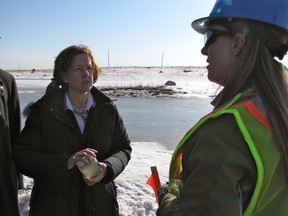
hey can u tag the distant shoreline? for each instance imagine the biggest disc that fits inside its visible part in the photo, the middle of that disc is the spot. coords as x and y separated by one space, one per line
114 67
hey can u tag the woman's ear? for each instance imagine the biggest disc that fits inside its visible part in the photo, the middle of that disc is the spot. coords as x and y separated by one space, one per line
239 42
64 76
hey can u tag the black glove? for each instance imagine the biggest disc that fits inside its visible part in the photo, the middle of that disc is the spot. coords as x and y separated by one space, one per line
163 190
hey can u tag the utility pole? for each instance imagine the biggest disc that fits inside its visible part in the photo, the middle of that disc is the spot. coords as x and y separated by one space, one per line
162 58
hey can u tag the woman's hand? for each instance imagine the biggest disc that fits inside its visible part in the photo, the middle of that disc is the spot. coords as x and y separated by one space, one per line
98 178
84 155
163 190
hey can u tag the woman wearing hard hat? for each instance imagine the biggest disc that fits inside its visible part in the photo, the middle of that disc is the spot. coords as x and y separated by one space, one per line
234 161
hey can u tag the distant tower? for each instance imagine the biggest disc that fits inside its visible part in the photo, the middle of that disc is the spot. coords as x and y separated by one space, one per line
108 59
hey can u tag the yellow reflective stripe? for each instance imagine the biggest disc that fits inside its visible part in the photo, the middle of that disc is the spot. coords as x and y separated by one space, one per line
200 122
256 156
249 141
187 135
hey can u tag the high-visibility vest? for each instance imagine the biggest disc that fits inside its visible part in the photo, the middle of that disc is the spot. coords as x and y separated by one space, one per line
270 196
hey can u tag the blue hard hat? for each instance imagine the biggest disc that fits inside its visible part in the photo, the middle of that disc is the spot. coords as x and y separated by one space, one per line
273 12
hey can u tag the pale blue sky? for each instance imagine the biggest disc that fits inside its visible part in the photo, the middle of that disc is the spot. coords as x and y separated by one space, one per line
135 32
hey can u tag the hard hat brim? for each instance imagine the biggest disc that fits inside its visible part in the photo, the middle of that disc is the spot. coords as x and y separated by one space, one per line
201 25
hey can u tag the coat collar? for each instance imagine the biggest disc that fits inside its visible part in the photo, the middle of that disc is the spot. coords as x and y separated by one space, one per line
55 99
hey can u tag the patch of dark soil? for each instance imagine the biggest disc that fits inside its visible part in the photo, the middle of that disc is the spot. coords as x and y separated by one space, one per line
139 91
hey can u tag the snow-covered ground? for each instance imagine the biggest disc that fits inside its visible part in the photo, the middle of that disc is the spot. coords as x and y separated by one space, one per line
135 197
190 81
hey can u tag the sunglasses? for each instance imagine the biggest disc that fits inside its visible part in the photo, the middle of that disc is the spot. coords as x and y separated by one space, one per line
211 36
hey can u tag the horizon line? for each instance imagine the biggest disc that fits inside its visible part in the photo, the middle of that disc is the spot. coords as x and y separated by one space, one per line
44 69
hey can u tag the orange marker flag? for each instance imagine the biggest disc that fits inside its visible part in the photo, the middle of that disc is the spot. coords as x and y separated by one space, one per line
154 181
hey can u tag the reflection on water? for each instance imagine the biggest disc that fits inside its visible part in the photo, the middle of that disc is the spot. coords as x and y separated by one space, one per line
147 119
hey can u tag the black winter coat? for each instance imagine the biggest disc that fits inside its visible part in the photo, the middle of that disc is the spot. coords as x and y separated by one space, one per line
9 130
51 135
